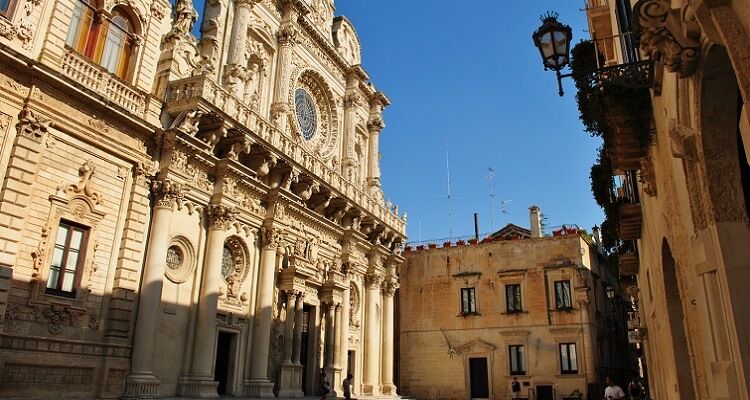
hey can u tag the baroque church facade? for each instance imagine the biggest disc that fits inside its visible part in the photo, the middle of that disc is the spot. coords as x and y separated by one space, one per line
189 216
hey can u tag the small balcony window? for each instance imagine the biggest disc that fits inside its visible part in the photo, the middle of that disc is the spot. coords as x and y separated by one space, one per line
106 40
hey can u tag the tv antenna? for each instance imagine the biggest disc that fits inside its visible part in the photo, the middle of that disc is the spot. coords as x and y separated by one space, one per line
490 174
448 174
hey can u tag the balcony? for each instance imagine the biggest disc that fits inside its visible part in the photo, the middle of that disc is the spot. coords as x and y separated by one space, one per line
99 80
631 216
201 92
628 257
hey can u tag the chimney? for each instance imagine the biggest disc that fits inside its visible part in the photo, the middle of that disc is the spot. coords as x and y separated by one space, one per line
535 215
598 239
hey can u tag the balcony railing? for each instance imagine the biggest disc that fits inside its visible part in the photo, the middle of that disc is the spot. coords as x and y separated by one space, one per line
202 88
629 262
101 81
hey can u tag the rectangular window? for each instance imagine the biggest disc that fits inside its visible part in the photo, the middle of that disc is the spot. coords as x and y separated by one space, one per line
468 301
6 7
562 294
67 260
568 358
513 298
517 363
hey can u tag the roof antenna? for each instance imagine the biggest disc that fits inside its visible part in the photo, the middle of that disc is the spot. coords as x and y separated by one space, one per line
490 174
448 171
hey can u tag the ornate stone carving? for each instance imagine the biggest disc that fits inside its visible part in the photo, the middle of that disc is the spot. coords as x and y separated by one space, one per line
234 267
86 171
272 238
56 314
389 288
32 126
184 18
373 281
287 35
38 254
187 122
667 35
166 192
375 124
220 216
181 261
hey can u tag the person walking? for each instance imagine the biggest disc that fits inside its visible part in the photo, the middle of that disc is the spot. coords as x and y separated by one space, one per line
348 387
515 387
613 392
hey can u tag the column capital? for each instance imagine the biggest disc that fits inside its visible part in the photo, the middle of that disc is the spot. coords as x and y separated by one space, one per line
165 192
287 35
220 217
373 281
352 100
375 124
389 288
271 238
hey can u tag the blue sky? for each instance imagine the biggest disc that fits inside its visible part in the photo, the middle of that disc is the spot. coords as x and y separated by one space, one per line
468 72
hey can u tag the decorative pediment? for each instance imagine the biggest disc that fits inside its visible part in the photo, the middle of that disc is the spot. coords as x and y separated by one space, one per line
476 346
670 36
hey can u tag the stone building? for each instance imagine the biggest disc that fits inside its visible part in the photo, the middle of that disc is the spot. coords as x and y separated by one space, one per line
191 216
474 316
686 192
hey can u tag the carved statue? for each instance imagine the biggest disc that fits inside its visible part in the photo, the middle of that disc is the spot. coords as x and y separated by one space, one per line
187 122
184 18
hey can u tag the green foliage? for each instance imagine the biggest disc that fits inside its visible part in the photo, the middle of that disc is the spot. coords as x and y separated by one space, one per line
602 179
595 95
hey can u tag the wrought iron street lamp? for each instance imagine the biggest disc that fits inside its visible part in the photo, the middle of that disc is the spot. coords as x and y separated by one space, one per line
553 41
610 292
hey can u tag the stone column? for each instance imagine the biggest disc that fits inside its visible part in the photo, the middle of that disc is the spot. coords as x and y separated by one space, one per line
374 126
141 382
235 72
297 343
330 342
370 384
290 374
351 161
201 381
344 332
389 289
291 302
259 385
287 36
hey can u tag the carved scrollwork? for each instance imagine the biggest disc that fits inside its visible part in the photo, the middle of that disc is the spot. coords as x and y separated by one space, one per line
375 124
166 192
187 122
86 171
668 36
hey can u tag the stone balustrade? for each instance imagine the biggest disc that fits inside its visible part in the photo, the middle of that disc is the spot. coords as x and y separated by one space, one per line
188 90
101 81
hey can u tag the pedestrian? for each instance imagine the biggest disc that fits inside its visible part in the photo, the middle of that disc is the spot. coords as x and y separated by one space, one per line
515 387
348 387
324 389
613 392
635 390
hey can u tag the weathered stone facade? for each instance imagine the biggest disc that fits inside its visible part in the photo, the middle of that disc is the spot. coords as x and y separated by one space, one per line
535 299
190 216
693 262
